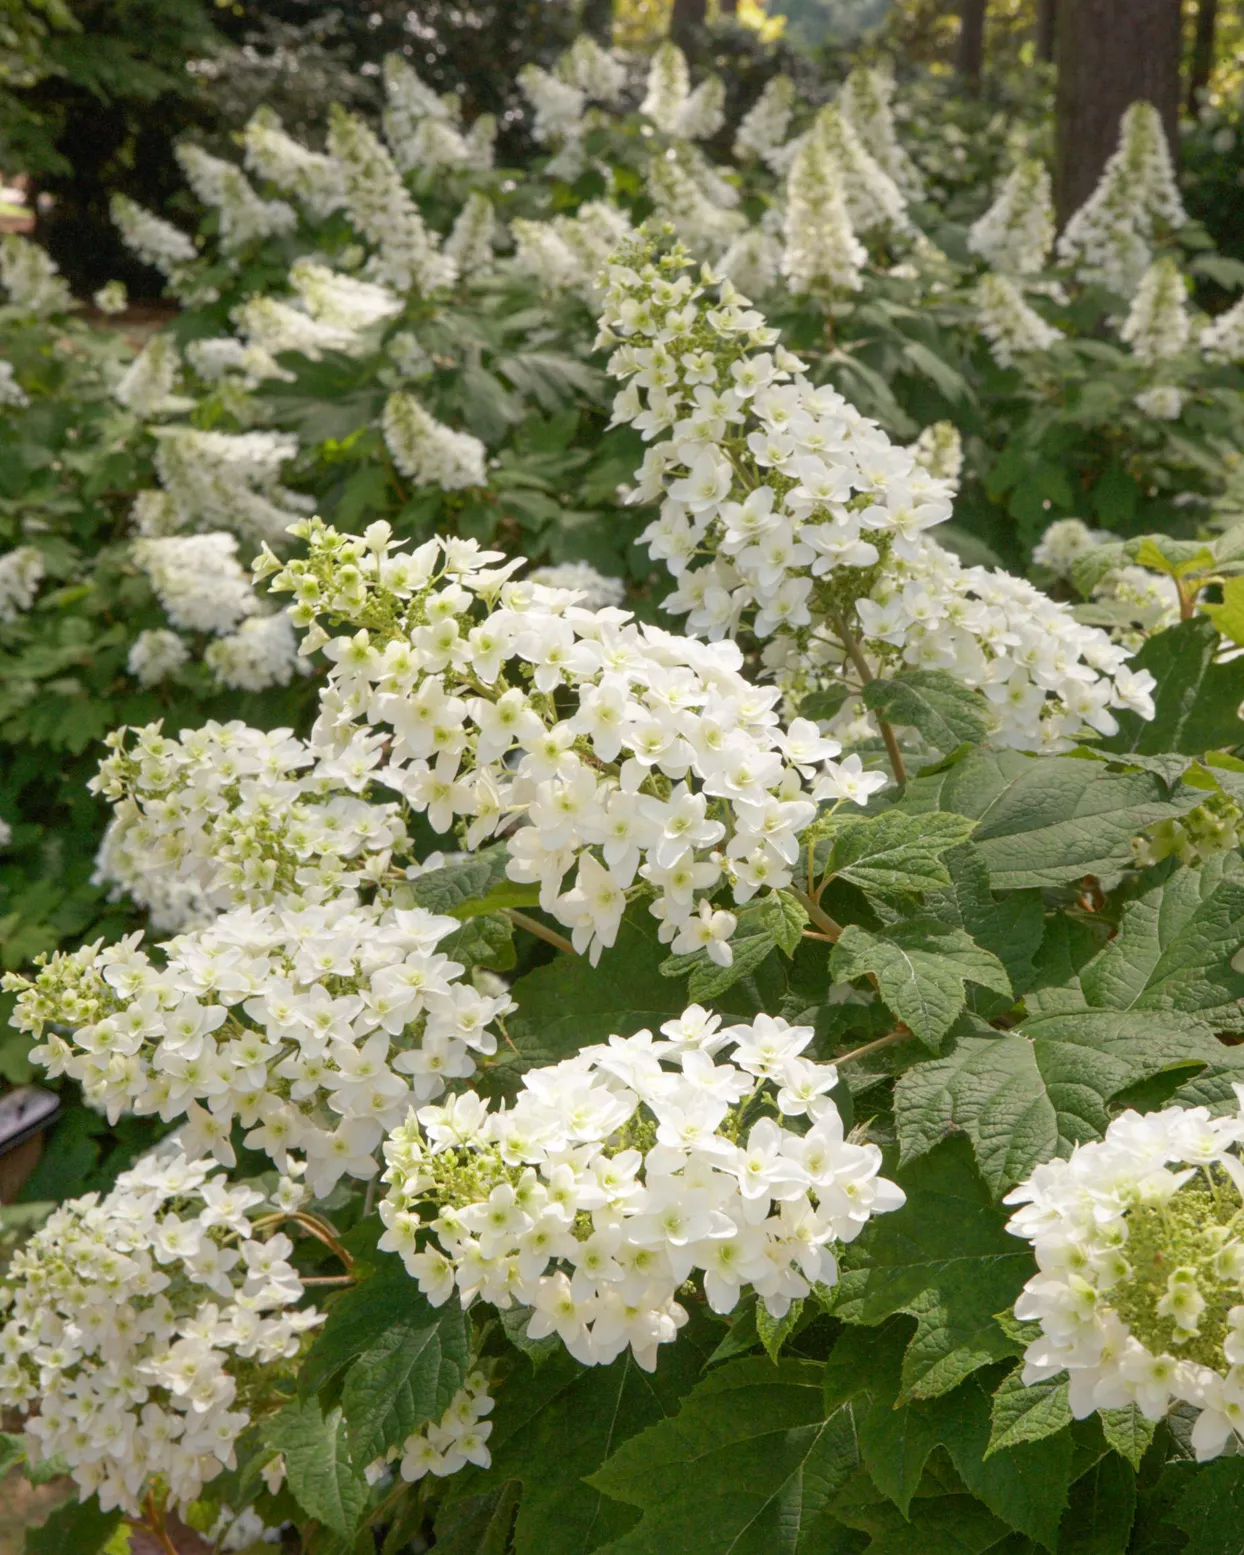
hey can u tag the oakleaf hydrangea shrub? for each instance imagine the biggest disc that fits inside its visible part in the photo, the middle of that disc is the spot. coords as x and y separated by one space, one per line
607 1061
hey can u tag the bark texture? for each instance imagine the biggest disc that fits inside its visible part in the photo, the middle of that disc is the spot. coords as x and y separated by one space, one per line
1047 14
1110 53
970 56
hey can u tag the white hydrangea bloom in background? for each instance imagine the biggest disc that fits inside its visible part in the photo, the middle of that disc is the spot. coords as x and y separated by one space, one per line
1109 239
156 242
198 580
1164 402
874 201
821 250
263 652
867 95
226 480
569 253
1140 1290
11 392
1015 234
668 87
1064 543
428 452
31 278
112 297
1157 325
130 1318
766 123
147 385
244 217
1012 326
939 450
1223 339
753 261
312 178
595 590
155 655
598 74
470 242
703 112
21 572
558 105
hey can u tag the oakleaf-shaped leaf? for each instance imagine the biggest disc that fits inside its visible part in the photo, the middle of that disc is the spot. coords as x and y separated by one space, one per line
945 711
318 1468
1027 1414
894 854
1196 701
921 966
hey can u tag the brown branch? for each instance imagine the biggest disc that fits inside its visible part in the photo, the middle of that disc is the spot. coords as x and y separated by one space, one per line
900 1035
856 654
541 931
831 928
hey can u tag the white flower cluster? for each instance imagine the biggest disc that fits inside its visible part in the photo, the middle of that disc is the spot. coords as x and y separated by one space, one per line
12 395
155 655
422 128
766 123
31 278
1109 240
687 193
1140 1294
812 518
939 450
156 242
569 253
129 1320
272 154
315 1028
112 297
1157 326
470 242
227 815
244 218
821 250
595 591
147 385
605 735
342 302
263 652
215 358
753 261
1064 543
594 71
1015 234
459 1437
1163 402
875 204
198 580
557 105
428 452
1142 602
1223 340
222 480
21 572
405 254
619 1173
1012 326
865 102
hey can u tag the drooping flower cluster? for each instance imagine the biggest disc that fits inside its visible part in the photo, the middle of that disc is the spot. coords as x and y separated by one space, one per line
1012 326
21 572
766 123
1064 543
244 217
633 755
428 452
623 1172
597 73
459 1437
875 203
420 127
1157 325
155 655
314 1028
470 242
687 192
569 253
156 242
198 580
1139 1239
939 450
1015 234
272 154
1163 402
133 1322
867 95
221 480
405 254
1223 340
31 278
147 386
815 525
1109 240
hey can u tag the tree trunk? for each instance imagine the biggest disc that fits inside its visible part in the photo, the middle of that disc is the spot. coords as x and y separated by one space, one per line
727 7
685 19
1047 12
970 58
1202 52
1110 54
596 18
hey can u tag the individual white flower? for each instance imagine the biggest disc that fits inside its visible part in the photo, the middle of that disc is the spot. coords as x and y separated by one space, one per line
1011 325
1014 235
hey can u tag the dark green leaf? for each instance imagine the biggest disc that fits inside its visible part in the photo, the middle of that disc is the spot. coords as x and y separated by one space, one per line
318 1468
775 1331
1127 1432
895 854
1197 701
945 711
76 1528
1211 1510
1027 1414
